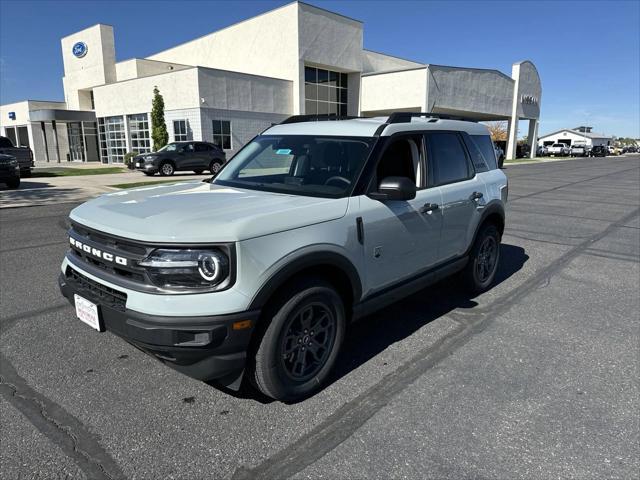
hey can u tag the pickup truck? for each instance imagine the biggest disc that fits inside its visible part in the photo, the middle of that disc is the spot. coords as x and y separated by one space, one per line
23 155
559 149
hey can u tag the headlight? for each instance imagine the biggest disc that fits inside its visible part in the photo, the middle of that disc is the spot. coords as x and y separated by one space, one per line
188 269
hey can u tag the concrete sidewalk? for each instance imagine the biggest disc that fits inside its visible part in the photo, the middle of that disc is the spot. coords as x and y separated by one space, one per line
53 190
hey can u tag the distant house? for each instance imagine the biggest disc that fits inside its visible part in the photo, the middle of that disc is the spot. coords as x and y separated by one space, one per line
579 135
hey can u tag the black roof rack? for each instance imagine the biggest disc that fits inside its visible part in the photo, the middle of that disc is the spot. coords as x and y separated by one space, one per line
316 118
405 117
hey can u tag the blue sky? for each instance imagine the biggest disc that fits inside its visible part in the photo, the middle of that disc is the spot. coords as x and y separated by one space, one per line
587 52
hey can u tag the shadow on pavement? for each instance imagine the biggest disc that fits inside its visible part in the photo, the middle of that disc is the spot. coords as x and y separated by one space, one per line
371 335
9 198
375 333
27 184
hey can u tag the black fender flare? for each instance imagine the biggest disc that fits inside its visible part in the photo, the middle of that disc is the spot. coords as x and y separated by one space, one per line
491 208
309 260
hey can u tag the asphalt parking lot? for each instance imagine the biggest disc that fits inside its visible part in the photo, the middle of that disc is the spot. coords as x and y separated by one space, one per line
537 378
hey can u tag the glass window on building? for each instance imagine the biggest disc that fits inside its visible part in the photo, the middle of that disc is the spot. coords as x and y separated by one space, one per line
139 133
325 92
222 134
180 131
113 142
10 132
23 137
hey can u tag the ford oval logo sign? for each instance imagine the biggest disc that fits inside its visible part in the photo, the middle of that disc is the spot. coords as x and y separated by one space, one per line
80 49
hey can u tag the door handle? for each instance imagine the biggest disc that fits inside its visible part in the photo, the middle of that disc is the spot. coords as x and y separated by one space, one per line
429 207
476 196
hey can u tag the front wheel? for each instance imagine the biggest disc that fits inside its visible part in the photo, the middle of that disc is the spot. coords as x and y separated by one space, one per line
167 169
215 167
13 183
481 268
300 345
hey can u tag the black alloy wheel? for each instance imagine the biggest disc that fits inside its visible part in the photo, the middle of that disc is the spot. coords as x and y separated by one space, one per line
307 342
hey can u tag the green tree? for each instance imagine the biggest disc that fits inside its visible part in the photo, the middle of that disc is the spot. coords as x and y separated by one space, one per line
158 126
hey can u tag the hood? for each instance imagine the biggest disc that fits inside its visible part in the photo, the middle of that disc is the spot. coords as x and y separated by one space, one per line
201 212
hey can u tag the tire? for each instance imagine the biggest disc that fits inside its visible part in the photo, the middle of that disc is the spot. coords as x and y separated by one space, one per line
484 258
215 167
313 304
501 162
167 169
13 183
198 171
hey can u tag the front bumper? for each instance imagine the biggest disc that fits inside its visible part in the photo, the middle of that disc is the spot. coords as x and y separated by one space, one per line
143 166
205 348
9 173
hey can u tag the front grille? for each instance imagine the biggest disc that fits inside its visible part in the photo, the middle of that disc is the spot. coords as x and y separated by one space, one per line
96 291
130 251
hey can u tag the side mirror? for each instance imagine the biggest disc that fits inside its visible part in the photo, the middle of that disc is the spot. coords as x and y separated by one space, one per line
395 188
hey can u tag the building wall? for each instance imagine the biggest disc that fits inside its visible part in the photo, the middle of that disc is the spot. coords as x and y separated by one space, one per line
402 90
244 125
379 62
193 118
21 109
468 90
278 44
139 67
263 45
96 68
236 91
179 90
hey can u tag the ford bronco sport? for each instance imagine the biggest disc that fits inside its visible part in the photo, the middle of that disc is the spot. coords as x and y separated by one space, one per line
252 277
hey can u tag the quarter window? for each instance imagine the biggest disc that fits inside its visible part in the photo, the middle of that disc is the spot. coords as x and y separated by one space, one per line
222 134
448 158
485 145
180 131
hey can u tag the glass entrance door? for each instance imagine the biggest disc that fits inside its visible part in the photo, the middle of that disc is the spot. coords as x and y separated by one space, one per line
76 144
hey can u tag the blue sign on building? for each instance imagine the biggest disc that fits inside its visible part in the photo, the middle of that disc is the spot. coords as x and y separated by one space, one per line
12 115
80 49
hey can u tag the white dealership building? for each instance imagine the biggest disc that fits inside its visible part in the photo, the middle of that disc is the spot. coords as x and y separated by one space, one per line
227 86
575 136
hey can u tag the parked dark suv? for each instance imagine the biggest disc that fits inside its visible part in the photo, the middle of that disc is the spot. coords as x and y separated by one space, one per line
599 151
179 156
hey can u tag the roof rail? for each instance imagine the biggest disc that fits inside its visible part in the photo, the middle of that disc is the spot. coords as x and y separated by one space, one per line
405 117
315 118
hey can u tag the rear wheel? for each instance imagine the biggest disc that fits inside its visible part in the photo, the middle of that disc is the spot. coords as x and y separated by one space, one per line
167 169
300 345
481 269
215 166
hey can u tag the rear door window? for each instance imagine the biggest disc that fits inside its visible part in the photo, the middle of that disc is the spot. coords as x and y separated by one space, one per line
448 158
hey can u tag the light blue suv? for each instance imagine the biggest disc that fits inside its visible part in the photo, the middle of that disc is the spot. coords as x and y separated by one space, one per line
253 276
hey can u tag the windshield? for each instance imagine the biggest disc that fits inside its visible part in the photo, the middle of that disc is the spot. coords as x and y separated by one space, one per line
558 145
298 164
171 147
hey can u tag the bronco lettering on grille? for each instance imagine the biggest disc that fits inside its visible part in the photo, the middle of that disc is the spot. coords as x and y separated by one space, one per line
108 257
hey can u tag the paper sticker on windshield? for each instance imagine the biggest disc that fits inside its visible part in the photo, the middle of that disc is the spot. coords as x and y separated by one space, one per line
283 151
